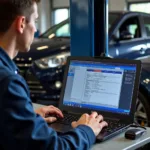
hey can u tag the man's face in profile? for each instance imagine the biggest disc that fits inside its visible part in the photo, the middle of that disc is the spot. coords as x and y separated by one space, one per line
26 38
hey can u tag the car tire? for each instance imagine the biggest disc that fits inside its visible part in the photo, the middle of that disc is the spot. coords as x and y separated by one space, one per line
142 115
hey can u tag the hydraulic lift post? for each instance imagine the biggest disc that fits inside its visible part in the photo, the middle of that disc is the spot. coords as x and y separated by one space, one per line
89 27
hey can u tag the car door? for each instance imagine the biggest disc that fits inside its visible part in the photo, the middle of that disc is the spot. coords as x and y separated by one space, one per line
127 40
146 24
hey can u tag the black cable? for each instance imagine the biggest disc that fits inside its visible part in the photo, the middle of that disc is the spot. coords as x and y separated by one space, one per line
138 126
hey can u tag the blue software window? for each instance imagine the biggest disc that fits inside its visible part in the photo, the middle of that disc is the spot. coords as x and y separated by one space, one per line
100 86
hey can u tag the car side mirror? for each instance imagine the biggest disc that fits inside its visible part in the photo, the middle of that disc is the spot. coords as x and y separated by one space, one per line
115 38
126 35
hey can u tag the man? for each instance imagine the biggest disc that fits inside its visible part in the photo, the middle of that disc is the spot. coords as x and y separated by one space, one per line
20 127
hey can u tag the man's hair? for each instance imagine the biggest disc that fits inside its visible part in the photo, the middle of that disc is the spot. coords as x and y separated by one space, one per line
10 9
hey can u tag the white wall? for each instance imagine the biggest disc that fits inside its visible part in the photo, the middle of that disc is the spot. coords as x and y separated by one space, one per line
60 3
137 0
117 5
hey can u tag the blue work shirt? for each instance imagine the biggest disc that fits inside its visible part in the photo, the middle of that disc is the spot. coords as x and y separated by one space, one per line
20 127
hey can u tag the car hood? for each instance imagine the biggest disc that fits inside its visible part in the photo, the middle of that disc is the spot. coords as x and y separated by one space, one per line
49 46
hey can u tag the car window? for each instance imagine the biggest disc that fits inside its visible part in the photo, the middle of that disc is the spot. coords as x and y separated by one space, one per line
130 29
147 25
60 30
63 29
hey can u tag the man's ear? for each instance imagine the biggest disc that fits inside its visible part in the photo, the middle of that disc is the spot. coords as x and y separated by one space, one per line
20 23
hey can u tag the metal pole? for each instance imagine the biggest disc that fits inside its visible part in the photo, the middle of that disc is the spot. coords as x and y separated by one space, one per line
101 36
89 27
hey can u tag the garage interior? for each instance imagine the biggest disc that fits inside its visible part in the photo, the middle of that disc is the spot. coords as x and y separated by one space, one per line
79 28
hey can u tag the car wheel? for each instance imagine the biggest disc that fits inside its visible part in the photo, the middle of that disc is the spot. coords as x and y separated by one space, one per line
142 115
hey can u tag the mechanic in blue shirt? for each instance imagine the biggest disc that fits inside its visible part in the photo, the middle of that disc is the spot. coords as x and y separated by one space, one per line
22 128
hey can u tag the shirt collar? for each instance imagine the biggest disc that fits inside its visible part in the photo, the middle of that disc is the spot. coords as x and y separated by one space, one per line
7 61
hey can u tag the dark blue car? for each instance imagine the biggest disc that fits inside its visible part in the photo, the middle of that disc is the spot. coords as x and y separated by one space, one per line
43 66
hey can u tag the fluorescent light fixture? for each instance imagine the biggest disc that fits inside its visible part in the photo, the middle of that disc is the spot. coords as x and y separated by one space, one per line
30 58
63 47
51 36
42 47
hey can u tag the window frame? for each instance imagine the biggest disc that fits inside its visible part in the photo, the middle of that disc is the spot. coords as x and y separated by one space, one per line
53 14
136 2
120 24
144 29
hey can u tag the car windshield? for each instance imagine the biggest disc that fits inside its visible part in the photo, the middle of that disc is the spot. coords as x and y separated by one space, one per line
63 29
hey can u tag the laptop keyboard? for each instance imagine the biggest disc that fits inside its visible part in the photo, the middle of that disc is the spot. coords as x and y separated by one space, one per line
113 125
68 119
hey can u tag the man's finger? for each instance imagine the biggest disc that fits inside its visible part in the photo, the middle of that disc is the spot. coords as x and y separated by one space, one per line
99 118
50 119
55 112
74 124
53 107
94 114
103 124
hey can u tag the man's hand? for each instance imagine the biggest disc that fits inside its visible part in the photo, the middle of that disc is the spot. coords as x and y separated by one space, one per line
49 113
94 121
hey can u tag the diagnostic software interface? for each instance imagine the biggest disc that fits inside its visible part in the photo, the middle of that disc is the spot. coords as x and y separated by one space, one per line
100 86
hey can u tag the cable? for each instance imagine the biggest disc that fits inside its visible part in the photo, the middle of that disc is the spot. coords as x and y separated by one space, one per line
137 126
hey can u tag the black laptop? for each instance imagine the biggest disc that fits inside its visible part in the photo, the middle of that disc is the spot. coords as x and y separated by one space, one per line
108 86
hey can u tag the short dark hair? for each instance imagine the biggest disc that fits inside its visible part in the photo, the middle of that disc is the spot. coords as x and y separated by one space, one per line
10 9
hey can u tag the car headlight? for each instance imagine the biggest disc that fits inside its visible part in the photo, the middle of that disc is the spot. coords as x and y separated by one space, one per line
52 61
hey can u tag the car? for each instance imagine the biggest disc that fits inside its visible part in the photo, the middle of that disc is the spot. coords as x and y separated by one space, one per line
43 66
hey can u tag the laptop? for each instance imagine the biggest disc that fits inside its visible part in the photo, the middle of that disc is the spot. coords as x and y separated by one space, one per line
107 86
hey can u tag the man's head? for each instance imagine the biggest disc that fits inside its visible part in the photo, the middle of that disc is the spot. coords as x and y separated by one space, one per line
18 17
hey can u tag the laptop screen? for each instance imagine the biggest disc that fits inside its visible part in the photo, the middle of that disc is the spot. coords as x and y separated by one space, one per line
100 86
